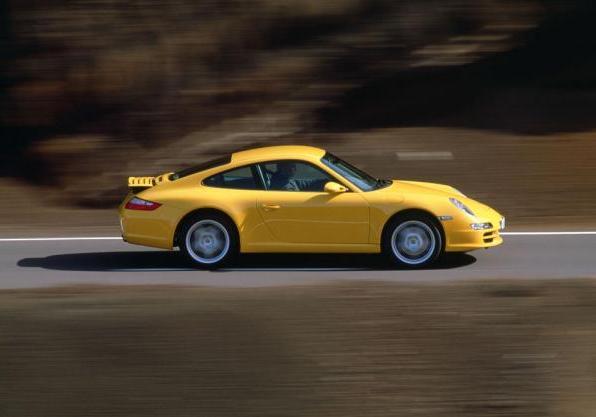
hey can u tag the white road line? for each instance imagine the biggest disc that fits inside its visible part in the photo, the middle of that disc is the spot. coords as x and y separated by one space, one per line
424 156
53 239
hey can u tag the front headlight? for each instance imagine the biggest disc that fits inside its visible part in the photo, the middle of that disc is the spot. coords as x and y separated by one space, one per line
461 206
481 226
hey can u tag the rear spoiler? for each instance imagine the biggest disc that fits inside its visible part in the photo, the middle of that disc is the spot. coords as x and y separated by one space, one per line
136 184
141 182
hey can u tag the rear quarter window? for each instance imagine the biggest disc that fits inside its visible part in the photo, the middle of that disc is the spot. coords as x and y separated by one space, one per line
240 179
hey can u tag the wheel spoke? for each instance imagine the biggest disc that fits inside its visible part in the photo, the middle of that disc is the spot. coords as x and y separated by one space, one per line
413 242
207 241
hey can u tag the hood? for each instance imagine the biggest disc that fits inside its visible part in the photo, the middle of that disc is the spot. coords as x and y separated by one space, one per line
482 211
428 188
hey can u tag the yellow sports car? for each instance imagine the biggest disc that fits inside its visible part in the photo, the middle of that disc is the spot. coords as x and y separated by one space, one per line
301 199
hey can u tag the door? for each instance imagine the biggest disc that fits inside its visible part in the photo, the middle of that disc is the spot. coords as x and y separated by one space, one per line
296 209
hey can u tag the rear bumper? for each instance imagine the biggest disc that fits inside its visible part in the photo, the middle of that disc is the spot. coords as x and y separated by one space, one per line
146 232
148 228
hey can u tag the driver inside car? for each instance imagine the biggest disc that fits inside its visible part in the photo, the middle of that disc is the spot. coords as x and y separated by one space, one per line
284 179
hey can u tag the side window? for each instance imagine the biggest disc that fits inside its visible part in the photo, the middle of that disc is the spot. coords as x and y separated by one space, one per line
294 176
239 178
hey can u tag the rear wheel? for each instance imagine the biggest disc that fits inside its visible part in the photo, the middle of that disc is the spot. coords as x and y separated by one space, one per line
209 241
413 240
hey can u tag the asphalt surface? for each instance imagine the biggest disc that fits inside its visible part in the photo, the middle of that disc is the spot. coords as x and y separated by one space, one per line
26 264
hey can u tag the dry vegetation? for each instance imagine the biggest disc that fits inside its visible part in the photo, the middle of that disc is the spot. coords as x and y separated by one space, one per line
136 76
94 91
472 349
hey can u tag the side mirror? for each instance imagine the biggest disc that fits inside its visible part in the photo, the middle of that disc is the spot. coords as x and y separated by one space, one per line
334 188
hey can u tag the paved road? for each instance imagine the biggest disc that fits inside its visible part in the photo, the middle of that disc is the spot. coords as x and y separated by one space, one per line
48 263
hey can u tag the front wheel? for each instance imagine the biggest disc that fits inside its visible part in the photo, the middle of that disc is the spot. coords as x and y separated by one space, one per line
413 241
209 241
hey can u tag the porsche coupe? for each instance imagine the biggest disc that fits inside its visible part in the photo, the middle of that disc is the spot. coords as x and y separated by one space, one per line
301 199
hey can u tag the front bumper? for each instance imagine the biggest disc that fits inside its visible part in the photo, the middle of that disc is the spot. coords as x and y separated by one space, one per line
462 238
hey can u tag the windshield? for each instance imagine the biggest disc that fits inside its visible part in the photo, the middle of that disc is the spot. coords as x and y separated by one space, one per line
355 175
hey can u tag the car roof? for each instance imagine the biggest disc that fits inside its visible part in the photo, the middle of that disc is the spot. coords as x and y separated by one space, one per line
278 152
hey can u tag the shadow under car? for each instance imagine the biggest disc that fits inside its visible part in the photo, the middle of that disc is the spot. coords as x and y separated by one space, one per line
166 260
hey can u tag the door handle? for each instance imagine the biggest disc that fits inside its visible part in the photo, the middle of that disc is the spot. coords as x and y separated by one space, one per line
268 207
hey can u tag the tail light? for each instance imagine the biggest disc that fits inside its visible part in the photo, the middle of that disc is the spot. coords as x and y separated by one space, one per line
140 204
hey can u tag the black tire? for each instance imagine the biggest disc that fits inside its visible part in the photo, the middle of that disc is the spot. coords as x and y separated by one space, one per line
419 248
216 232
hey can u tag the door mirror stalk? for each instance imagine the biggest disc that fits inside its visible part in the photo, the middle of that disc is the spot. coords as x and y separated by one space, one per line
334 188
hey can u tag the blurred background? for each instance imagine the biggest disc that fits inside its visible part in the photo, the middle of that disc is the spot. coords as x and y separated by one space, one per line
494 97
502 92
